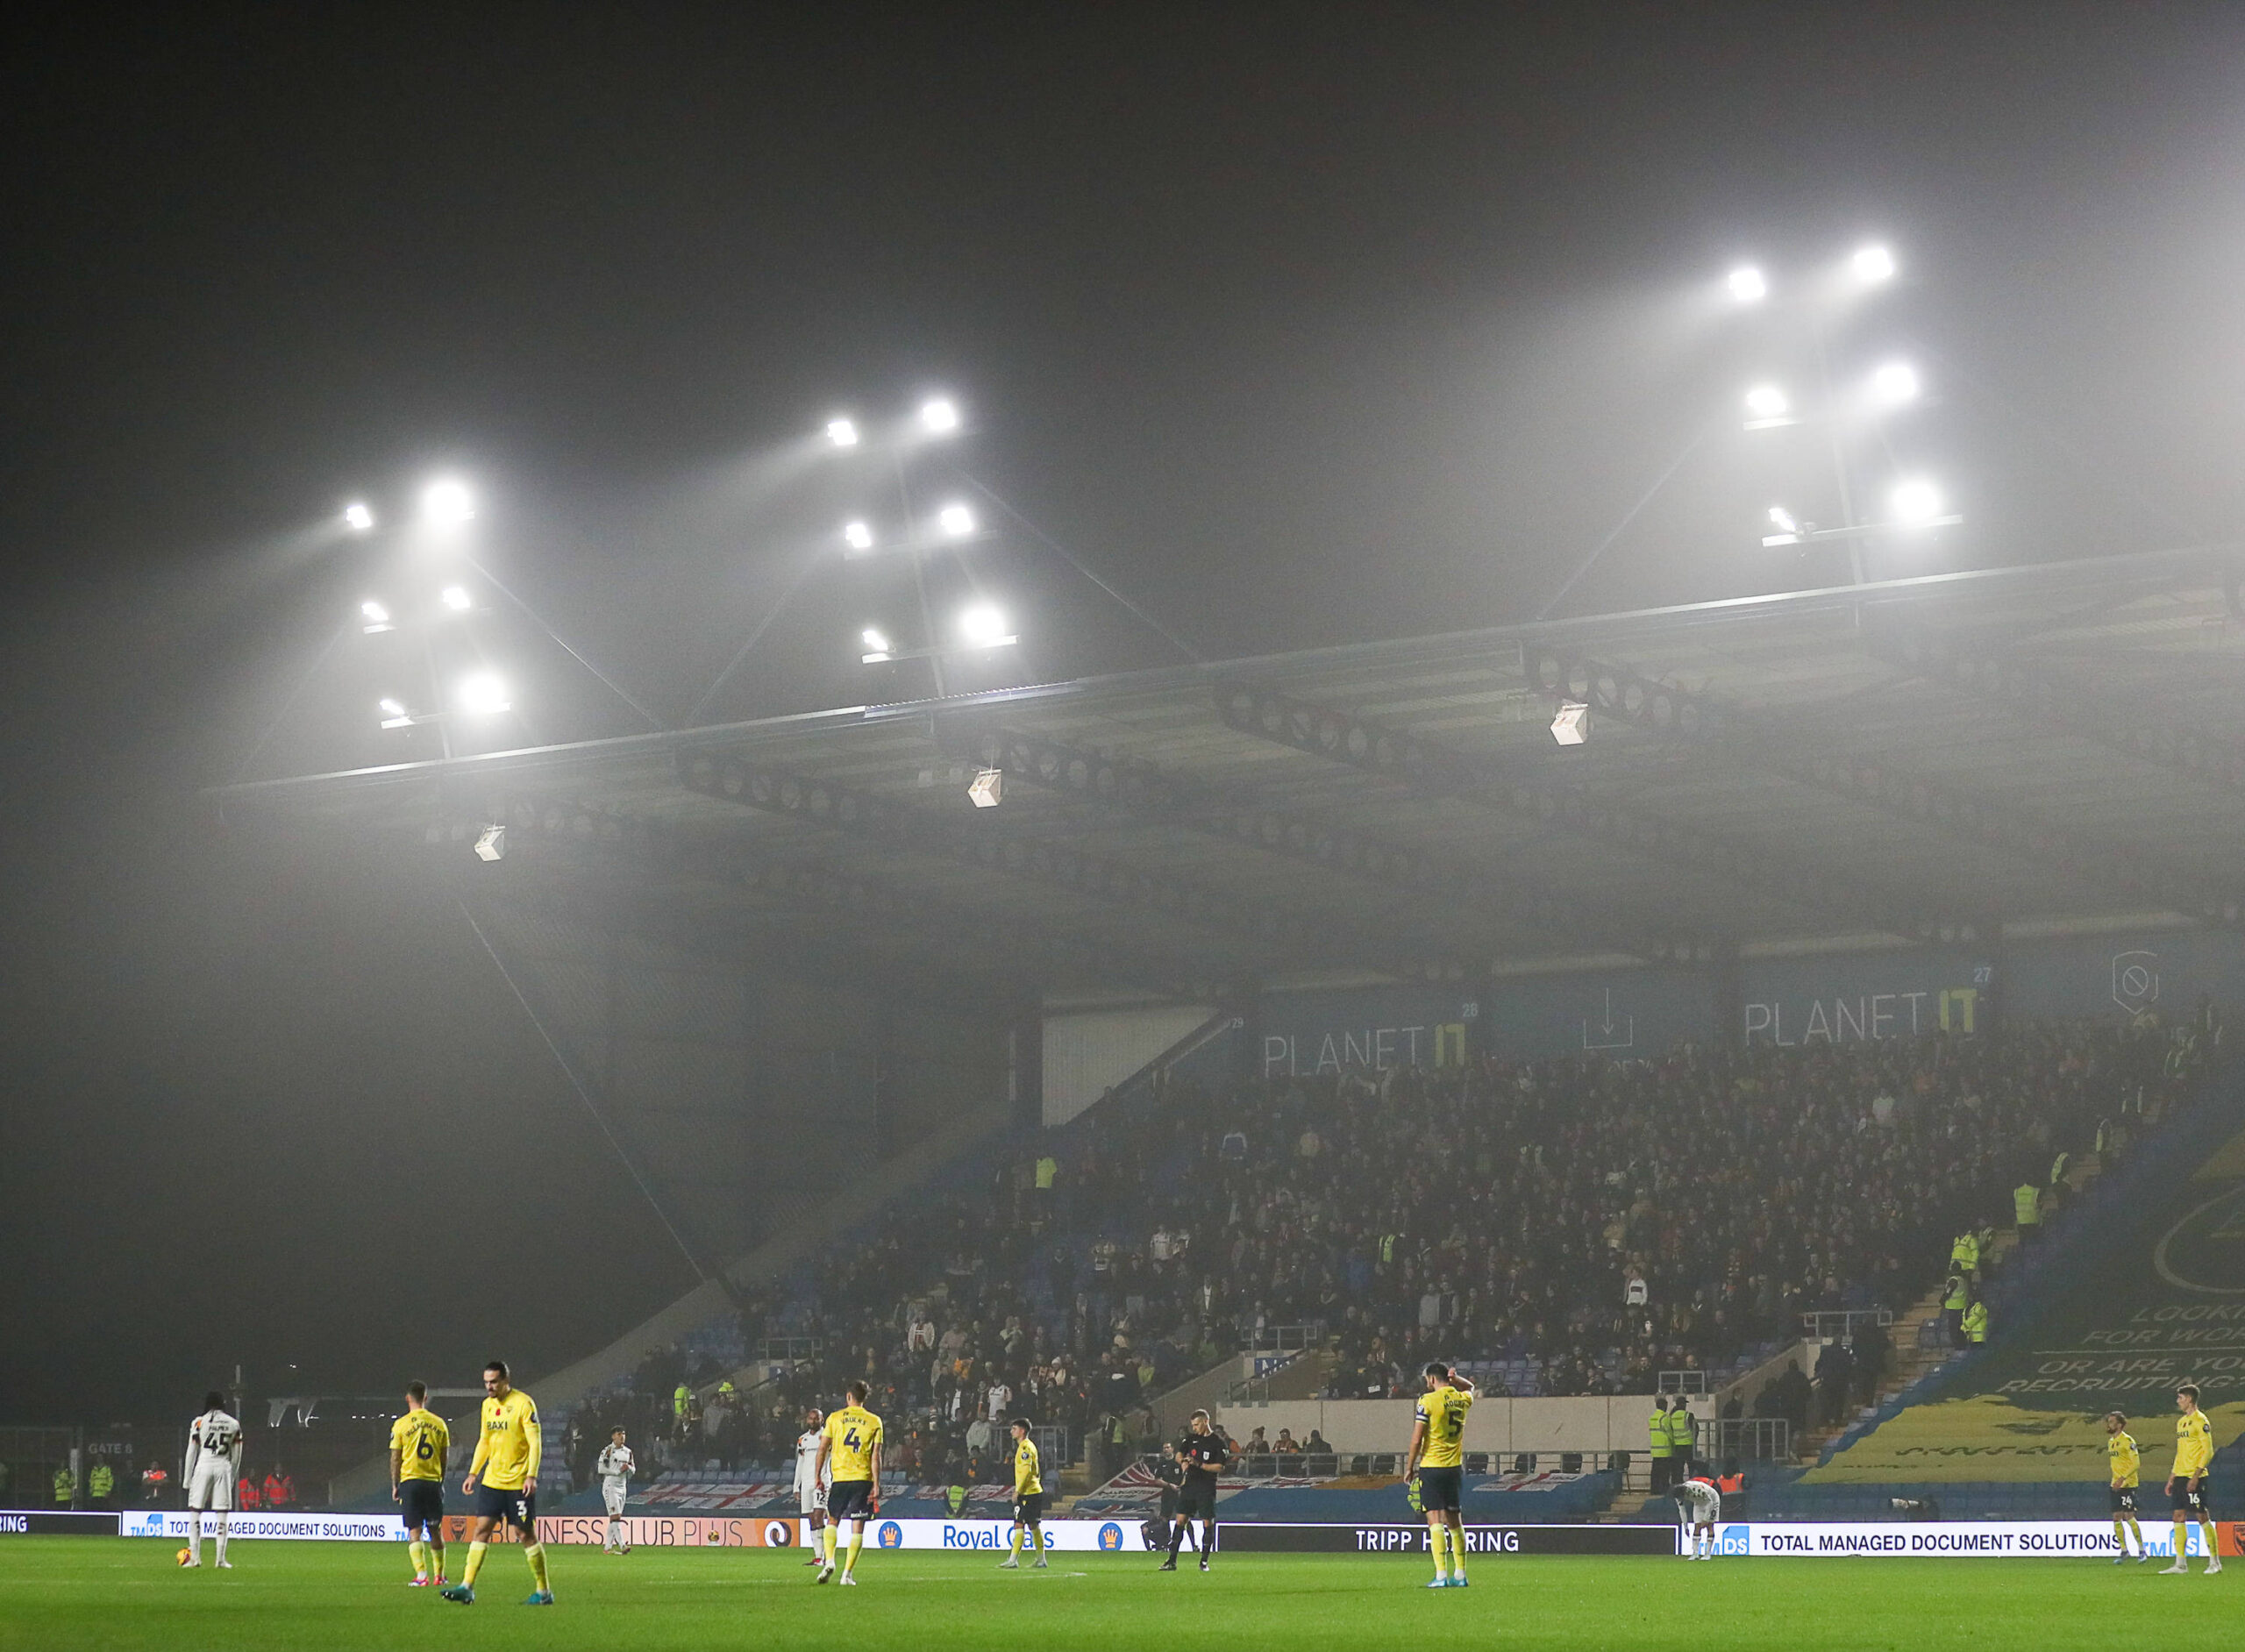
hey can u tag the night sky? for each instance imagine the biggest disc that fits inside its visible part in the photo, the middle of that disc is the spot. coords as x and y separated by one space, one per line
1297 325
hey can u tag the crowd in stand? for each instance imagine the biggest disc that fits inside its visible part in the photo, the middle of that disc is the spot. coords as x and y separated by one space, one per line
1606 1220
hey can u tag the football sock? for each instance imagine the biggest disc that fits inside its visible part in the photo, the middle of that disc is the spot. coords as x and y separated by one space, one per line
1036 1540
1207 1538
195 1539
1456 1552
1176 1539
222 1537
856 1542
2213 1544
1016 1542
419 1550
2181 1543
826 1536
535 1553
436 1560
1441 1549
474 1564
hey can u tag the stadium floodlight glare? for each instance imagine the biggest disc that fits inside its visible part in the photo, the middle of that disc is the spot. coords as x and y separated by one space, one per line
1915 502
1766 402
857 535
956 520
1748 285
1872 264
1788 528
447 501
842 432
377 618
878 647
1571 726
394 714
984 626
492 843
455 598
1895 383
483 694
357 517
939 415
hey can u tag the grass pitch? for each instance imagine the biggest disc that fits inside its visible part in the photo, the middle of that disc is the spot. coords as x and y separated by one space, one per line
86 1592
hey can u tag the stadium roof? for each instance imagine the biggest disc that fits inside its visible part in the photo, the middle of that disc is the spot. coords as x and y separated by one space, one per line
2048 747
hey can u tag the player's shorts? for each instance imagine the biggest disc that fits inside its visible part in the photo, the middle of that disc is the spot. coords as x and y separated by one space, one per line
2124 1500
421 1503
850 1499
1701 1510
1028 1510
1442 1490
814 1501
611 1498
513 1505
1196 1502
212 1488
2183 1500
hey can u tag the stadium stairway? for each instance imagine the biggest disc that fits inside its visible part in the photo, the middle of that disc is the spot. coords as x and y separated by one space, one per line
2127 1295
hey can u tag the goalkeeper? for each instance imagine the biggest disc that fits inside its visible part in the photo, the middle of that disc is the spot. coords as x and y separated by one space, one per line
1435 1468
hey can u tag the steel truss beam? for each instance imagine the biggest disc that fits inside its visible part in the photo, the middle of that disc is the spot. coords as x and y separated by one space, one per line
1924 800
1143 791
2002 678
1559 805
998 948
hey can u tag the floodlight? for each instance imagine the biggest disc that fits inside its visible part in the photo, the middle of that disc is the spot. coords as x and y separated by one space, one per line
875 642
987 789
1873 264
492 844
984 626
447 501
857 535
956 520
375 613
1915 501
842 432
357 517
1748 285
1571 726
1783 518
455 598
1766 402
1895 383
939 415
391 707
483 694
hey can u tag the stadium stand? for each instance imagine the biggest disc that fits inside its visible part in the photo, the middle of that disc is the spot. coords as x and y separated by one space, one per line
1566 1228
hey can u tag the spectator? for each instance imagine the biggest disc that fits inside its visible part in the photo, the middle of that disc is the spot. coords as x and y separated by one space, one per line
154 1480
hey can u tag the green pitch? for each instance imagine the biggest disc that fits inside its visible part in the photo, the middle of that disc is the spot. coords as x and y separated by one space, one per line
88 1593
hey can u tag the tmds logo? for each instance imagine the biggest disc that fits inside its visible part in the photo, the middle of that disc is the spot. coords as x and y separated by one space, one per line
1110 1536
889 1535
1734 1540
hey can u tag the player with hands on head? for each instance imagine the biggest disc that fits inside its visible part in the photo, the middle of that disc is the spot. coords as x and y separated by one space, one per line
1435 1467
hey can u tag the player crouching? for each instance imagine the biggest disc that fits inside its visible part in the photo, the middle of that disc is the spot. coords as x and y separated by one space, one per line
1700 1500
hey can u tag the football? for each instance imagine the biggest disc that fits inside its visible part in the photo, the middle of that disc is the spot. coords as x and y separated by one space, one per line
185 1556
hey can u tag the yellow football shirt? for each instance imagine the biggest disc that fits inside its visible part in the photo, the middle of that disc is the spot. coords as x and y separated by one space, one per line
2121 1457
853 1432
2193 1445
420 1439
512 1443
1025 1481
1444 1412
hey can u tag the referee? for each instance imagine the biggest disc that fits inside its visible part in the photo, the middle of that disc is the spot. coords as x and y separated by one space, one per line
1205 1455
